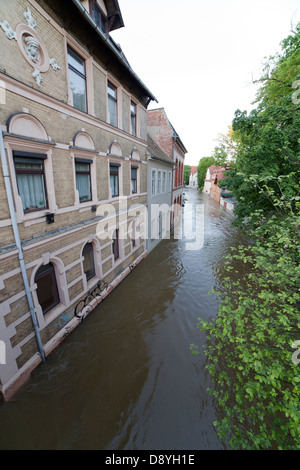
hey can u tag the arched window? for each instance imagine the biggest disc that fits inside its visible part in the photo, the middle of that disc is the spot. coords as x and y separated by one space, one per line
47 291
88 261
115 244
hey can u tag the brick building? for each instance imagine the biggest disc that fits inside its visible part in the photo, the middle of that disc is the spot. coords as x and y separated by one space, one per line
162 131
73 173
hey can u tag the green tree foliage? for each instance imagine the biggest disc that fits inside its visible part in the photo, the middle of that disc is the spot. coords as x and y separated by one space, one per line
202 167
186 174
269 143
254 343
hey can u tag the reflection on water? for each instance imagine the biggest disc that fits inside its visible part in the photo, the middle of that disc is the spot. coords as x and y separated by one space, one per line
125 378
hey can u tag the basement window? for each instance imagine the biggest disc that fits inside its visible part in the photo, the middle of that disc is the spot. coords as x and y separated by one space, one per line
47 291
115 244
88 261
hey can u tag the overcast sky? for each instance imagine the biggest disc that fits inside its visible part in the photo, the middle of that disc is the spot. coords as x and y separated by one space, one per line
198 58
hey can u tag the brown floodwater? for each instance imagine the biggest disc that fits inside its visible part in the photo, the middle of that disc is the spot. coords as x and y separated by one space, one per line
125 379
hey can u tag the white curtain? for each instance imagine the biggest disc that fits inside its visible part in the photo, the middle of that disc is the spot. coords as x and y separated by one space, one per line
31 189
83 181
114 185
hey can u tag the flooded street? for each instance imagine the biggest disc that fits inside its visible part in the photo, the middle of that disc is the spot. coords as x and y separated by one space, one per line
126 378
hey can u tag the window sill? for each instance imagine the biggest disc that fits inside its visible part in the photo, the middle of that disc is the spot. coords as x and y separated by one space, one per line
54 313
36 217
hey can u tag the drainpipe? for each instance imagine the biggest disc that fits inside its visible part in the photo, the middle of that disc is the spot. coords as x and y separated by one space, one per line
18 242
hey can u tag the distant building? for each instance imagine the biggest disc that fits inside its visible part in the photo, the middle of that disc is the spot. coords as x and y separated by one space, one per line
162 131
216 174
193 179
207 181
160 169
211 187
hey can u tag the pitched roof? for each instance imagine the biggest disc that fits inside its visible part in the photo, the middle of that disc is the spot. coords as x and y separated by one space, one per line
175 135
156 152
193 170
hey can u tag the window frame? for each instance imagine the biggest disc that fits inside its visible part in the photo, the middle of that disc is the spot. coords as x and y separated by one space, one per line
32 158
133 116
159 182
134 168
110 99
48 272
70 51
89 173
153 183
90 251
116 244
95 7
133 232
20 143
114 171
164 181
169 181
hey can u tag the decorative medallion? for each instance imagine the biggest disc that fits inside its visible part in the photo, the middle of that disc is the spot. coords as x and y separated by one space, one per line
31 46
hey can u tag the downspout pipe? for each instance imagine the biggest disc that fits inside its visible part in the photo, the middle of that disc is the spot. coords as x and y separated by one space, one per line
18 243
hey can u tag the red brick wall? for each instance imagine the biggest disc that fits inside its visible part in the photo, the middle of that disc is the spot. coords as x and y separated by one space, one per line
159 129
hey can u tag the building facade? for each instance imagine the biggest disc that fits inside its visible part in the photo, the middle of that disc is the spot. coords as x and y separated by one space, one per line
73 173
193 179
162 131
160 170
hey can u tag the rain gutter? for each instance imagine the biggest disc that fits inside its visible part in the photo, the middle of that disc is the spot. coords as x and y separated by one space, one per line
104 38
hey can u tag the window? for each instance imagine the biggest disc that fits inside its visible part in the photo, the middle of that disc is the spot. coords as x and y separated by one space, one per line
114 178
115 244
158 182
153 182
112 104
77 80
164 182
88 261
133 234
83 179
153 229
170 181
47 291
134 179
30 175
99 19
133 118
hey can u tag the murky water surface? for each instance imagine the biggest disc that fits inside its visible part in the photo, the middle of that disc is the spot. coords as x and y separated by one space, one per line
125 378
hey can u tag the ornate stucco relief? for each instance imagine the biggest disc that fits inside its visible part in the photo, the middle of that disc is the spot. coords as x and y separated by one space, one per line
31 46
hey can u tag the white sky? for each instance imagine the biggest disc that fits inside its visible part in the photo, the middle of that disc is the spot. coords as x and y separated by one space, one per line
197 57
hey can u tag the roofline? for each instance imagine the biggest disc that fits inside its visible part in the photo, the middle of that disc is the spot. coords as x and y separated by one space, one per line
175 135
104 38
155 157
